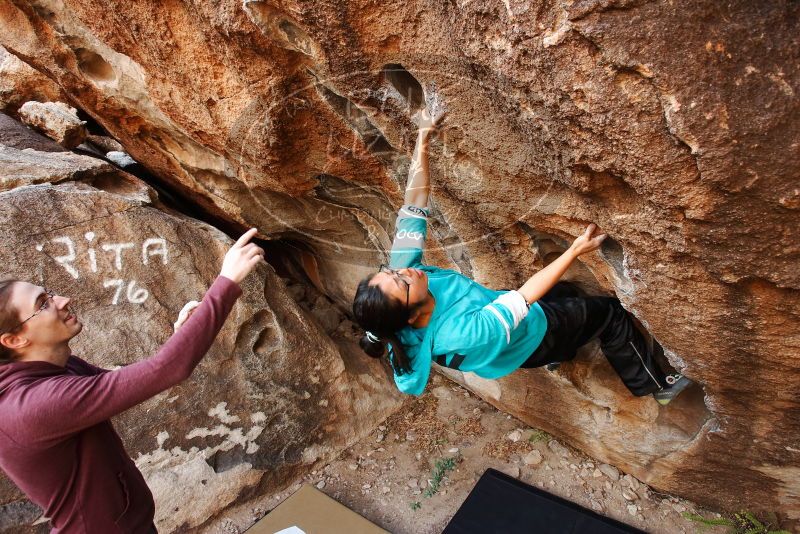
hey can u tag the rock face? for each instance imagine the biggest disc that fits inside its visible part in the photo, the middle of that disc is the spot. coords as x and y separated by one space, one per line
673 125
19 83
275 394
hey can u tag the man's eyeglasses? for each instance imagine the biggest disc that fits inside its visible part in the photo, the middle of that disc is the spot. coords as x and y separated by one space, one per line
45 304
403 278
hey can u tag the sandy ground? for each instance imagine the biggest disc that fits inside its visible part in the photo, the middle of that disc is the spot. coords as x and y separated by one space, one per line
385 476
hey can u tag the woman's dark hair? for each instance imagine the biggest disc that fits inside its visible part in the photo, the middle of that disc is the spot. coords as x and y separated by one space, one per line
382 316
9 317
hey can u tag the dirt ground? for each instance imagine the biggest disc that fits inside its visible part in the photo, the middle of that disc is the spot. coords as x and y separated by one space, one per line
387 476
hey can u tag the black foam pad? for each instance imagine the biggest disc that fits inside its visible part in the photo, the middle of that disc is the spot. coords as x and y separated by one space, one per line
501 504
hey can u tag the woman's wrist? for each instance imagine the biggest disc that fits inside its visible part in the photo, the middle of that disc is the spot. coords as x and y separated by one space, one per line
424 135
572 252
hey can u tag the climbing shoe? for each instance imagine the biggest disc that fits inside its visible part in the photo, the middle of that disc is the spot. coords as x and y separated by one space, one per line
675 384
552 366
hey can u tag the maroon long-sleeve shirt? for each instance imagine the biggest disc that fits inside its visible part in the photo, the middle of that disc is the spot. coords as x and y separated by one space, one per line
58 445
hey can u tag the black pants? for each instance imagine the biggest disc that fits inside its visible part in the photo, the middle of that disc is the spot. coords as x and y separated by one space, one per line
573 321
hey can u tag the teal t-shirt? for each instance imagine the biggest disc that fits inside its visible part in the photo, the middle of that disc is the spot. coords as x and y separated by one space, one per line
468 331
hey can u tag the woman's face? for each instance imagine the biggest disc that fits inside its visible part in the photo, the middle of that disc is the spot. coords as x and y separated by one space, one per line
405 285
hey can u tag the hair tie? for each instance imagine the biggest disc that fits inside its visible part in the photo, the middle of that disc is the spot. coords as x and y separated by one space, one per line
372 337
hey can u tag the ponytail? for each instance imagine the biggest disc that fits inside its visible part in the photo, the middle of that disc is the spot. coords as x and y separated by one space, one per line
382 317
372 345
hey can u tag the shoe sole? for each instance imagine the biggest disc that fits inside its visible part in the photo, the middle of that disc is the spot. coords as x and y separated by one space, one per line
664 402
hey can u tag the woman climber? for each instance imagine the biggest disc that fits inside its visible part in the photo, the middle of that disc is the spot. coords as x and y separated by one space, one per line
427 313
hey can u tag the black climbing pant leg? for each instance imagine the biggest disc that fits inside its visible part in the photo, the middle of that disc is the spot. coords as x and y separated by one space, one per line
574 321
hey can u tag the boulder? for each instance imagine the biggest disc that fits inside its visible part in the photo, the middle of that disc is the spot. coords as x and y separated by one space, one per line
673 125
56 120
242 423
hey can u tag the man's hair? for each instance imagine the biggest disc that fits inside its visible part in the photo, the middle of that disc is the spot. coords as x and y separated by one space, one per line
9 317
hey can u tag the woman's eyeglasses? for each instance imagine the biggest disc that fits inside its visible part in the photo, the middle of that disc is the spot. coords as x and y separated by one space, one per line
397 274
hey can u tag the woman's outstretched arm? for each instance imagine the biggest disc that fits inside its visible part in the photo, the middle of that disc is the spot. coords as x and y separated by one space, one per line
540 283
419 177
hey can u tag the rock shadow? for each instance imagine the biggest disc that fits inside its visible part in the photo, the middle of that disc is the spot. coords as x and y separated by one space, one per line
372 137
406 84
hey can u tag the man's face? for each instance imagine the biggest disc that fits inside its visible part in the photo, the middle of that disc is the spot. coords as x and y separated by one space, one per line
54 322
403 283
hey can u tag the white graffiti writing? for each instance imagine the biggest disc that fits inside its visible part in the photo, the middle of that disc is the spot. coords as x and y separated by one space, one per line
135 296
67 259
64 252
117 248
92 254
160 251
